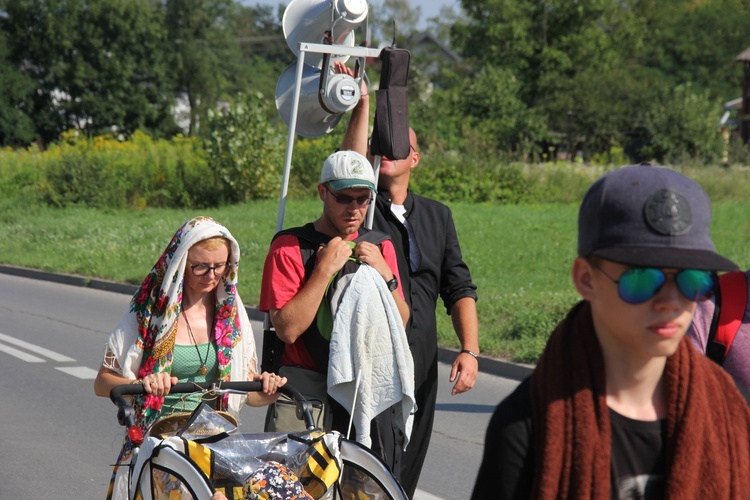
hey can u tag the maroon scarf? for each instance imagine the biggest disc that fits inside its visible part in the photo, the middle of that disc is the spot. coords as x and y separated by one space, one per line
708 422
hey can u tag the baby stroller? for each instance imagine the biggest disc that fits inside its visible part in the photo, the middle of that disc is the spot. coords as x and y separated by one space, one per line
207 453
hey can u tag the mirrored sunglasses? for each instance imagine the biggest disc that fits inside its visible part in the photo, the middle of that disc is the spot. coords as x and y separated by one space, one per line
639 284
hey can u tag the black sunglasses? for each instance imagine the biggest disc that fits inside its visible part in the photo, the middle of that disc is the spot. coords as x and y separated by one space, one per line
362 201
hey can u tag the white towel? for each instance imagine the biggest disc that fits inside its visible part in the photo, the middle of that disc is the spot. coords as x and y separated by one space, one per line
368 338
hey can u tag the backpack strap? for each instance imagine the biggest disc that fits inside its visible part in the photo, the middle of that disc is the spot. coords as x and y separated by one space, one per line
307 233
371 236
731 302
309 241
317 345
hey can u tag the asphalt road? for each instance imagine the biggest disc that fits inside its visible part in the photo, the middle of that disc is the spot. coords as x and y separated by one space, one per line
57 439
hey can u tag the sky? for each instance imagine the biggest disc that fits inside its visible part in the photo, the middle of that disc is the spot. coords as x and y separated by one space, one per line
429 8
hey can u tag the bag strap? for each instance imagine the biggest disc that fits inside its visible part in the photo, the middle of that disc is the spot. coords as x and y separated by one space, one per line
731 302
390 134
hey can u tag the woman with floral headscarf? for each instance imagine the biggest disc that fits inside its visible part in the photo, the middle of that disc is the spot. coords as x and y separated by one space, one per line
186 323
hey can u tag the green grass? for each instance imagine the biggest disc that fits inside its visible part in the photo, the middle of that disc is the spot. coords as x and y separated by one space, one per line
516 221
519 256
123 245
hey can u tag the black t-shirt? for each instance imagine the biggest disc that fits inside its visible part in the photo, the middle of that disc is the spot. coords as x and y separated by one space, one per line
507 469
638 460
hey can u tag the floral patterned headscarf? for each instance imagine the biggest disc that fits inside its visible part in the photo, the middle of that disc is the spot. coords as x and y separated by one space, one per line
158 302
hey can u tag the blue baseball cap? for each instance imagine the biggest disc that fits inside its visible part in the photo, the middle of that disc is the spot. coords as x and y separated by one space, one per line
648 216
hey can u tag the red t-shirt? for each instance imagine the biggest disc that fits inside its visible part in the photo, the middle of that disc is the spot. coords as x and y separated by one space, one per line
284 277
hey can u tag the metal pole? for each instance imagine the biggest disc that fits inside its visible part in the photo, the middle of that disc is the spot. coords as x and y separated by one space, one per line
318 49
371 208
290 139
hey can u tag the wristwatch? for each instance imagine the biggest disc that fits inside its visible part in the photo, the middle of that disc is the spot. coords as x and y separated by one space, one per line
393 284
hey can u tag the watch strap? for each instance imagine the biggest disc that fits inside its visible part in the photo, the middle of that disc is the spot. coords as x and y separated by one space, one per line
392 284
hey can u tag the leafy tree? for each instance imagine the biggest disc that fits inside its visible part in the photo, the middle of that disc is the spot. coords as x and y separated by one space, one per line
683 123
591 70
97 65
695 42
264 53
383 16
16 126
484 114
441 25
204 53
500 33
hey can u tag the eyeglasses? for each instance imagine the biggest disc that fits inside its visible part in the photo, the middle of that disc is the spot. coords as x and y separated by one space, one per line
639 284
203 269
362 201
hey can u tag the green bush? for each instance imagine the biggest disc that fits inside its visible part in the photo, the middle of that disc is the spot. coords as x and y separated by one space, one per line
307 160
109 172
453 177
738 153
448 178
559 182
245 149
20 177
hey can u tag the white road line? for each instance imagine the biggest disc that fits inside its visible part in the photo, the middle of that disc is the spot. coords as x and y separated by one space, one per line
35 349
81 372
423 495
24 356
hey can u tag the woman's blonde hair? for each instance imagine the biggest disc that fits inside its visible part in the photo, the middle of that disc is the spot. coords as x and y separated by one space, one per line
215 242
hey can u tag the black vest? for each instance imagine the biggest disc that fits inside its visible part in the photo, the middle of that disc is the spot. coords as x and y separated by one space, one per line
317 345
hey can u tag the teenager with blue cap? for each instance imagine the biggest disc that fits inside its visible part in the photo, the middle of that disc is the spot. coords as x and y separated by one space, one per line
620 405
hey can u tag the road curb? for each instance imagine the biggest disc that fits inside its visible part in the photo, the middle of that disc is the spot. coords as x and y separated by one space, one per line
486 365
492 366
70 279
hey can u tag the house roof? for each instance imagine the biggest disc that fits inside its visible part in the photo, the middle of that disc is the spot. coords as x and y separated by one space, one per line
745 55
733 104
427 38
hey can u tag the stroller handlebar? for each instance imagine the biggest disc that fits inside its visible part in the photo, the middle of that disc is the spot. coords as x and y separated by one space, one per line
126 413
